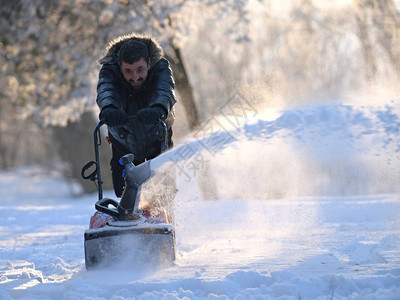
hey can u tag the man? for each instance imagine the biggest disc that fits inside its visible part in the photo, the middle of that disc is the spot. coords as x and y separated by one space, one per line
135 93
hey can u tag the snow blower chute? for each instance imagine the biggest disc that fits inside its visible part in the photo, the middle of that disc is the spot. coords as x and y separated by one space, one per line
126 235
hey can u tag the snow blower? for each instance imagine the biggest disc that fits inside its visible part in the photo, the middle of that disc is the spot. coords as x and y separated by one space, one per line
120 232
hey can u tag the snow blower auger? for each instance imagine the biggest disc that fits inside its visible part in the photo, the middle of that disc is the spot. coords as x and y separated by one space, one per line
123 234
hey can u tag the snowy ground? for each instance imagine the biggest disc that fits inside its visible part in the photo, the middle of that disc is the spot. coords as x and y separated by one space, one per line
312 214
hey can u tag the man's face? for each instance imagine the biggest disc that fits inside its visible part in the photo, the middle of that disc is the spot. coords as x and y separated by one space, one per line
135 73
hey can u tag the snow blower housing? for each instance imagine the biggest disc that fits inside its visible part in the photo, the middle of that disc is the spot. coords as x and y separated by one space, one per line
128 236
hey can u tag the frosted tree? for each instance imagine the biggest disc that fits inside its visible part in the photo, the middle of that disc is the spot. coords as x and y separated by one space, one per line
379 30
49 51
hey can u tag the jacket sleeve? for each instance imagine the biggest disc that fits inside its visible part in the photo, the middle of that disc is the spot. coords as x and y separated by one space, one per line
163 86
109 87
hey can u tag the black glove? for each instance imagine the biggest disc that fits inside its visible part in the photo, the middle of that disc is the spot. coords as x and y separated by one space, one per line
151 114
114 117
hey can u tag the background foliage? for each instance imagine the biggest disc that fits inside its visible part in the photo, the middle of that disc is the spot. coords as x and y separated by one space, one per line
276 54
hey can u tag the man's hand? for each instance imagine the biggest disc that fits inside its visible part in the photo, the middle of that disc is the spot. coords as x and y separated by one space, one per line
114 117
151 114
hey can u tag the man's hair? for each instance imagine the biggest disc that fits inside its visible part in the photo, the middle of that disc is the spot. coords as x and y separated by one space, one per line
132 51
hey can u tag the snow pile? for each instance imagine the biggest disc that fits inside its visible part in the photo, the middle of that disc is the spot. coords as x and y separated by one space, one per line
328 230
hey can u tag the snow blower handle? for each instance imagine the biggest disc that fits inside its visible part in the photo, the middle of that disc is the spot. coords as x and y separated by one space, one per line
102 206
127 160
95 175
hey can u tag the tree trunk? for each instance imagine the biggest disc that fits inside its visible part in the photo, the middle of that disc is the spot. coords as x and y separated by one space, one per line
385 18
184 88
368 52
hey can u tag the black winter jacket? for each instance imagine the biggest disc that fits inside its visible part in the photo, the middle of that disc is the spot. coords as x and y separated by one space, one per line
157 90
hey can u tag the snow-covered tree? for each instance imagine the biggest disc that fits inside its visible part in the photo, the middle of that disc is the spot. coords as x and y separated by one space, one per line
292 50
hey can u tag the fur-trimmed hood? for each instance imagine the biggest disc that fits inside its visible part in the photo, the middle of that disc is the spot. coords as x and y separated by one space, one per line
155 50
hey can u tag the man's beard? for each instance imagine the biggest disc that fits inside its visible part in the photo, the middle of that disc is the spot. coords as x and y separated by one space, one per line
138 84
